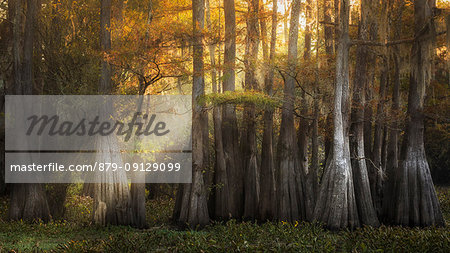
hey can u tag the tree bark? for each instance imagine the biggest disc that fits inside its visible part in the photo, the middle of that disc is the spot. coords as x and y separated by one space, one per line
27 201
336 21
220 193
447 22
336 205
313 179
328 31
249 145
105 43
303 130
229 124
376 168
328 36
194 199
290 185
17 42
112 200
392 157
414 198
367 214
368 108
266 209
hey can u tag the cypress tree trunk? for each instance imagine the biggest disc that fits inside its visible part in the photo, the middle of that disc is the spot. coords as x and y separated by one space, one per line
229 124
363 196
377 170
112 201
328 36
266 210
137 190
248 140
303 130
193 207
414 198
328 31
290 186
336 204
220 195
27 201
392 158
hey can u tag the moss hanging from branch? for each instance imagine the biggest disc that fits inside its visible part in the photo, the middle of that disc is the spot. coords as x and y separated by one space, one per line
259 99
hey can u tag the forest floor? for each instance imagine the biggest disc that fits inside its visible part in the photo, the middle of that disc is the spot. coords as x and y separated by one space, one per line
76 233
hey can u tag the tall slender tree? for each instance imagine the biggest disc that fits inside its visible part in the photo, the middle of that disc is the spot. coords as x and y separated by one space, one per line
393 154
329 50
220 195
248 139
229 122
303 130
290 185
336 204
27 201
360 175
414 201
377 164
267 201
192 208
112 202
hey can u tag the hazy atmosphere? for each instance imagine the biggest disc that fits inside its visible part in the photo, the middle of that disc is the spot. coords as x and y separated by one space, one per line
225 125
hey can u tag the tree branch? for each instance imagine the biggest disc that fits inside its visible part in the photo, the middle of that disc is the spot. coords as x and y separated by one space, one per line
388 43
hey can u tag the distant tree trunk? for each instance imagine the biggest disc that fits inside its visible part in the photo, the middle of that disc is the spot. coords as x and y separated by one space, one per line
229 124
313 179
447 20
367 214
328 36
414 198
328 31
27 201
290 185
263 34
266 209
336 28
384 156
368 111
336 204
368 107
313 175
314 169
105 41
248 140
392 149
303 130
17 43
194 198
112 201
376 168
137 189
392 157
285 18
220 194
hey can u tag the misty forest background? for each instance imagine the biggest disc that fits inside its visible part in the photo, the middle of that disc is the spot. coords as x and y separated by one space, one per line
317 125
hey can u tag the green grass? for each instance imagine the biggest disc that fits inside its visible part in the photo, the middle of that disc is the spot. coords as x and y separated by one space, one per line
77 234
